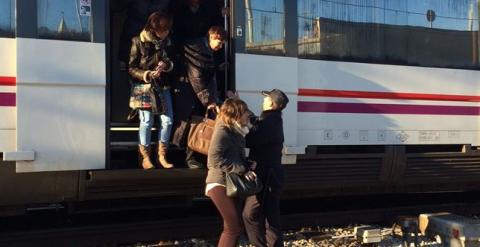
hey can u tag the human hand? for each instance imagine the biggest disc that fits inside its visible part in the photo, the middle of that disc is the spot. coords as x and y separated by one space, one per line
161 66
213 107
155 74
250 176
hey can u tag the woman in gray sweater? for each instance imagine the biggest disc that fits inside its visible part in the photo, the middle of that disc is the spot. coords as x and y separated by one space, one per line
227 154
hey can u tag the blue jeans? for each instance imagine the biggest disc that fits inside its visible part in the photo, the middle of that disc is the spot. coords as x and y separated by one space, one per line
165 120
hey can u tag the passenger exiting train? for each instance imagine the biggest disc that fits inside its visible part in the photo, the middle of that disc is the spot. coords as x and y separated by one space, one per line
195 85
148 65
261 213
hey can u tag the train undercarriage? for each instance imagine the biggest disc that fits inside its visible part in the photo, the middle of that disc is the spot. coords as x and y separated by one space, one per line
323 171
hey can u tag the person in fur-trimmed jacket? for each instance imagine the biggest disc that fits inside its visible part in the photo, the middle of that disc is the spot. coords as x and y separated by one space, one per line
149 62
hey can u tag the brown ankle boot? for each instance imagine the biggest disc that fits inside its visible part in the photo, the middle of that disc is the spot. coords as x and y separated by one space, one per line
162 156
144 157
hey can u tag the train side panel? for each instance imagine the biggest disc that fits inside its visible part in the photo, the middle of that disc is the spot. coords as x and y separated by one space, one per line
61 104
340 103
354 104
255 73
8 73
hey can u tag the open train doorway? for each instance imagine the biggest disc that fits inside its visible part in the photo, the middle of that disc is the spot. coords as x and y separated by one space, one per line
192 18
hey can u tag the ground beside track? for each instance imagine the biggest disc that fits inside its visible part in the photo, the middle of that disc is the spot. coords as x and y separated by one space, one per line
202 222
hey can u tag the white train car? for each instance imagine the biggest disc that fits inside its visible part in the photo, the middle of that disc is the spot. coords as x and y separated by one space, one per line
383 98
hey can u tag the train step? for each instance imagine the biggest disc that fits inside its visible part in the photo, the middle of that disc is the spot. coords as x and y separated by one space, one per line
136 183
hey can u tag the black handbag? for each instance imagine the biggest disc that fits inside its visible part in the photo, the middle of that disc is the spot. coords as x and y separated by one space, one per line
238 185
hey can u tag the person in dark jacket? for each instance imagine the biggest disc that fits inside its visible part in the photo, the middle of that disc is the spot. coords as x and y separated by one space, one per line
226 153
195 88
149 62
137 13
261 213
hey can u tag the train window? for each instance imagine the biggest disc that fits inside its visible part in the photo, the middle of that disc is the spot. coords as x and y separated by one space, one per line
265 27
65 19
432 33
7 18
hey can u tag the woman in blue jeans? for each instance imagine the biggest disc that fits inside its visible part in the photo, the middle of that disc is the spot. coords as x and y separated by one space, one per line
148 65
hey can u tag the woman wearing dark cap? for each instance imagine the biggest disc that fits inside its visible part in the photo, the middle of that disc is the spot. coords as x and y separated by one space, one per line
227 154
149 62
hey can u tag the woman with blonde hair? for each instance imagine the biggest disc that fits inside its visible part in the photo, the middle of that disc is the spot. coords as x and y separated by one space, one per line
227 154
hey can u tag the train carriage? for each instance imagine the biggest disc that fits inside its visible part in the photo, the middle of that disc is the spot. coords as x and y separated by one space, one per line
384 97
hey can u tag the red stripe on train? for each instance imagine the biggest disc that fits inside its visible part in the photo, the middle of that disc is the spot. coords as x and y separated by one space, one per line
386 95
7 99
8 81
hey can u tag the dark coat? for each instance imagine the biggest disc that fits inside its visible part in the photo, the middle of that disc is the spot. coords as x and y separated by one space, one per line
145 54
225 154
200 68
265 141
194 85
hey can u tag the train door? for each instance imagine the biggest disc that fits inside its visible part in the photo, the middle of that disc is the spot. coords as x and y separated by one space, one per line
126 21
60 85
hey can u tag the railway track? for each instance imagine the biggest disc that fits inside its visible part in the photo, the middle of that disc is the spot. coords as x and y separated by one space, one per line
124 230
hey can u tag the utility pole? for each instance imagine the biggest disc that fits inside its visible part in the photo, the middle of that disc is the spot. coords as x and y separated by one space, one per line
475 38
475 44
470 16
248 8
78 15
431 17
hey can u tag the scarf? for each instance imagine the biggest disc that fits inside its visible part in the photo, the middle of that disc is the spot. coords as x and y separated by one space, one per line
150 37
242 130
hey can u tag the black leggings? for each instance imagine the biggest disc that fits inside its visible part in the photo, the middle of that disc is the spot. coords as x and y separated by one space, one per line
232 224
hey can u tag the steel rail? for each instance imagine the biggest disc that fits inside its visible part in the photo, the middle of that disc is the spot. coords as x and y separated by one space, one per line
208 226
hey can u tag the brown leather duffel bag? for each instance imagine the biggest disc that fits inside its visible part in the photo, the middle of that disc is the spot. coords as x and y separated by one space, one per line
201 131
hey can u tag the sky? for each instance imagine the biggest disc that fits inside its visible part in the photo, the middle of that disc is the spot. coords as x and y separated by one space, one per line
6 16
450 14
50 14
